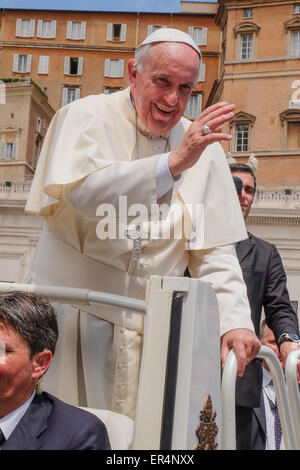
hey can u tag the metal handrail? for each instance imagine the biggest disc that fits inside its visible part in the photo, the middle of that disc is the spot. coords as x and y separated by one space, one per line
228 399
293 390
77 295
228 436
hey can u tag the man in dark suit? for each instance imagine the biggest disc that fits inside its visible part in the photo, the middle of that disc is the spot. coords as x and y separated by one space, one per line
30 420
265 279
266 435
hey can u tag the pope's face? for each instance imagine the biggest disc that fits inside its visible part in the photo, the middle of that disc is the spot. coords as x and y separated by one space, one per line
162 88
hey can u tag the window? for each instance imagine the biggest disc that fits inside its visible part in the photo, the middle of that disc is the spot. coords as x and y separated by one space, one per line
43 64
201 77
73 65
22 63
241 127
153 27
297 8
8 150
70 94
114 68
248 13
108 90
199 35
295 44
293 135
242 138
290 121
245 38
116 32
25 28
39 125
246 46
46 29
37 150
9 139
194 106
76 30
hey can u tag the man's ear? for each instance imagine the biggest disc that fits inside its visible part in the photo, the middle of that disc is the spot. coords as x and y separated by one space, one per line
132 71
41 361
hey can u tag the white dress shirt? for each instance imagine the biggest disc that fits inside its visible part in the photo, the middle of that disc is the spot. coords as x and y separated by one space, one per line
9 422
269 395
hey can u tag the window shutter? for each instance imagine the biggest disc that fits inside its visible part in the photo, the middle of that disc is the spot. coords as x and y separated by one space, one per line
82 30
43 64
67 66
14 148
123 32
69 30
77 93
191 31
31 28
204 37
15 62
3 150
202 73
64 96
80 66
28 63
106 67
121 68
109 31
150 29
18 26
53 29
39 29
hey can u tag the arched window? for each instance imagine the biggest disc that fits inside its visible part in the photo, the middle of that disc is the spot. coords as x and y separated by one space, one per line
245 34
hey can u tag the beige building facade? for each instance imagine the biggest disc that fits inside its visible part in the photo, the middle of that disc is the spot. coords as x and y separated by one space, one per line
260 74
24 118
74 54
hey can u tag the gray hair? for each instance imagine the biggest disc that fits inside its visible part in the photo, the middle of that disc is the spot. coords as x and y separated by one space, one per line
32 317
245 169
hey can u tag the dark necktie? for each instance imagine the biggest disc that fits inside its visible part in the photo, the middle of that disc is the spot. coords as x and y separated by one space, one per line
278 431
2 438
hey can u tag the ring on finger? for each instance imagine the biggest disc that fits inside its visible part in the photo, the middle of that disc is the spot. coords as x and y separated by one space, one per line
206 130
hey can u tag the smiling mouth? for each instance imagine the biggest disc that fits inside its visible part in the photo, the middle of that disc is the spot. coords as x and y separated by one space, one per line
164 110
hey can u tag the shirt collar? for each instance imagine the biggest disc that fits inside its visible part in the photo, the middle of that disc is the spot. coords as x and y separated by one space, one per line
9 422
267 377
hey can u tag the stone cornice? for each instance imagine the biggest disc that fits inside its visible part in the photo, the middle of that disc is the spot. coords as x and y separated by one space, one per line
271 220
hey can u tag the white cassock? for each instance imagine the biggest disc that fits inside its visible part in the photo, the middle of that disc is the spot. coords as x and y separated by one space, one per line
95 151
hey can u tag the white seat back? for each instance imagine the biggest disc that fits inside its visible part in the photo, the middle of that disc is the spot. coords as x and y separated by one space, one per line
119 427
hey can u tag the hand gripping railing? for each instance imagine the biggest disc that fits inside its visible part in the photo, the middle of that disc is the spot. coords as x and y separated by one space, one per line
228 399
293 391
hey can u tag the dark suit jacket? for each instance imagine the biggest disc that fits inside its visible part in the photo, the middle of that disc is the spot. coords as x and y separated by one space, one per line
50 424
265 279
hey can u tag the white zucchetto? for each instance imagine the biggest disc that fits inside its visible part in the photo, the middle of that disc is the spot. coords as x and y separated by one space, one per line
170 35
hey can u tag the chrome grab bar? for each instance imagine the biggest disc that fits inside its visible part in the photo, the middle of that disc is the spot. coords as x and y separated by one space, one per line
77 295
228 399
293 390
